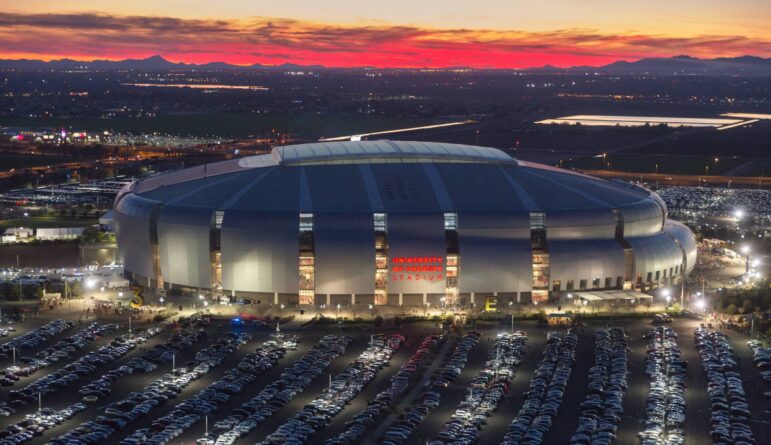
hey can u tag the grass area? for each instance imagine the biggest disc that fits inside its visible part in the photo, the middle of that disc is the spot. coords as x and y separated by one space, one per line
13 160
646 163
41 222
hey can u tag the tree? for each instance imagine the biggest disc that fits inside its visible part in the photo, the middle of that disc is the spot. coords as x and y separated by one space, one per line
6 288
74 289
731 309
747 305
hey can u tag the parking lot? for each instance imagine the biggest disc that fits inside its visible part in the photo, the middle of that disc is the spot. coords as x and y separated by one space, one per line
416 384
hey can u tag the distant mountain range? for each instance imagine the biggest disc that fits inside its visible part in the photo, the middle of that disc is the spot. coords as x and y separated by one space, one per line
153 63
679 65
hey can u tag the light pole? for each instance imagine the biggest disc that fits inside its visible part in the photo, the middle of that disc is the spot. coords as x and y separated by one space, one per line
338 310
746 252
370 310
173 362
129 317
282 310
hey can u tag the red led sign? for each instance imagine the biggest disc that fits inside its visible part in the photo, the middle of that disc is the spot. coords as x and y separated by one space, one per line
416 268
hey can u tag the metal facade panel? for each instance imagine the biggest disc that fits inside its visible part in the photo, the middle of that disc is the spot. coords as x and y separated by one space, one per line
404 188
597 224
260 251
278 189
132 230
437 185
655 253
495 253
344 246
183 241
687 241
642 218
416 235
337 188
488 189
585 260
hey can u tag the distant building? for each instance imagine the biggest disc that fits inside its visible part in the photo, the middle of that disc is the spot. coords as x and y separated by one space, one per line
106 222
16 234
398 223
59 233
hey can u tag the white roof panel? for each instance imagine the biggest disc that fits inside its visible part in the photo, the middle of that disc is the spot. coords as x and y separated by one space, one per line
404 151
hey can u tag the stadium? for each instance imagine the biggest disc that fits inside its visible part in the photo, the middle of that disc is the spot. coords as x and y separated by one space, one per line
395 223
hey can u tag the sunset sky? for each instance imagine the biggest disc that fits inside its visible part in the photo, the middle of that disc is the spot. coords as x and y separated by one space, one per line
394 33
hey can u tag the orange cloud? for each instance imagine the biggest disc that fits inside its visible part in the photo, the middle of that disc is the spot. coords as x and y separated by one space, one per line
275 41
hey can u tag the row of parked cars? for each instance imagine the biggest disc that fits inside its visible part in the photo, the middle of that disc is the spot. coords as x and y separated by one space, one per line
35 337
546 391
119 347
36 424
603 405
207 401
730 412
72 371
343 388
6 409
119 414
400 430
486 390
59 351
7 330
292 381
762 358
148 361
665 404
407 374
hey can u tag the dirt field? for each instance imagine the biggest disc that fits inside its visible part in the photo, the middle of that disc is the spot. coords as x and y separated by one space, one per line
50 255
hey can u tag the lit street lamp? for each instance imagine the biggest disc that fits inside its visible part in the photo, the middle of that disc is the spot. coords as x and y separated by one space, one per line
746 252
282 310
370 310
338 310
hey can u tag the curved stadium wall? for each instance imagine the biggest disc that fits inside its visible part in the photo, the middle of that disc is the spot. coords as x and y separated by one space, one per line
384 222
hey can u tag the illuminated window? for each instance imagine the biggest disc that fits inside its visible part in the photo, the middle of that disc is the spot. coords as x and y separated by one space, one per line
450 221
380 222
307 260
452 259
380 225
306 222
537 220
596 283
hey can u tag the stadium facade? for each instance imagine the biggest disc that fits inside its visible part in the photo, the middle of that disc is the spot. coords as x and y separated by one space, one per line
385 222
